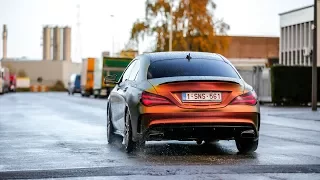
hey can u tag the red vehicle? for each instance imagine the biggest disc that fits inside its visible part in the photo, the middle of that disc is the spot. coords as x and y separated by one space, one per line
13 83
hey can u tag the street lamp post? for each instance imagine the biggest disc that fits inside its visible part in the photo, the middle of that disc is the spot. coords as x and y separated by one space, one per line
314 61
112 17
171 25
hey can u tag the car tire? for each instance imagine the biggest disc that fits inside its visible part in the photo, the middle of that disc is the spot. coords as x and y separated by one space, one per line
110 129
247 145
129 145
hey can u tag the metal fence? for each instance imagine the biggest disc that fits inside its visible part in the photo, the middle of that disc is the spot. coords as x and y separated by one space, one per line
259 78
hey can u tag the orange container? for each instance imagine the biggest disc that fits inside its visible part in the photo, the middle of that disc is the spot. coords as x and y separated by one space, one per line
90 70
34 88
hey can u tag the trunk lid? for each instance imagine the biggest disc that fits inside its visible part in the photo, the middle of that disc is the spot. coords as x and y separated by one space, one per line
174 88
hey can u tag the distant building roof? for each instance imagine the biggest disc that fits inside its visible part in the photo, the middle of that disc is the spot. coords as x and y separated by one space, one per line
297 9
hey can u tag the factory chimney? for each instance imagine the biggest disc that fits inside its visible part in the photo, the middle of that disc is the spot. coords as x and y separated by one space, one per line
67 44
56 43
4 38
47 43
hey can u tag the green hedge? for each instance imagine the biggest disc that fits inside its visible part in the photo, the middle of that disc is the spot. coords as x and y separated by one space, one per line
292 84
58 86
23 90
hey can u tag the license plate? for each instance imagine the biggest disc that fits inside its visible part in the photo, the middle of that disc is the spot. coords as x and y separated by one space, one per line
202 97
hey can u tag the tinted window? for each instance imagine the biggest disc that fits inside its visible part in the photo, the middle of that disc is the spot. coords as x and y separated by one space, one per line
194 67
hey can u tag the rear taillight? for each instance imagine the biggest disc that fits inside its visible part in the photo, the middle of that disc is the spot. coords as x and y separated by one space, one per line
249 98
149 99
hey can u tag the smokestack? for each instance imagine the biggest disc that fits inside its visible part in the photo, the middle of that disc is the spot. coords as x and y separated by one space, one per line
4 38
46 43
56 43
67 44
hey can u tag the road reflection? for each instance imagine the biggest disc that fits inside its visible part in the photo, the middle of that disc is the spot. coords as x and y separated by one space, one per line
188 153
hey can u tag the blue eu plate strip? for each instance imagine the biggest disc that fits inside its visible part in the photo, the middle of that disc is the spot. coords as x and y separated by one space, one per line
184 96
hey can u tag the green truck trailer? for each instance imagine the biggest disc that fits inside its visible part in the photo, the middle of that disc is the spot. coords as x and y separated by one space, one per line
105 67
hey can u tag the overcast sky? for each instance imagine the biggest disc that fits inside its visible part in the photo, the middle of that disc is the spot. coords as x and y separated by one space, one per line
25 19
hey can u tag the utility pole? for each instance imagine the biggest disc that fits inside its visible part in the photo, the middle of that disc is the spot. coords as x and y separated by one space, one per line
4 43
171 25
112 17
78 46
314 61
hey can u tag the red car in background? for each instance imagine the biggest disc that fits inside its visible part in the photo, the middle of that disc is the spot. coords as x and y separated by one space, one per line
13 83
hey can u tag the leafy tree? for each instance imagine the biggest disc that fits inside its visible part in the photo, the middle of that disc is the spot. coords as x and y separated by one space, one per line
193 27
39 79
58 86
22 73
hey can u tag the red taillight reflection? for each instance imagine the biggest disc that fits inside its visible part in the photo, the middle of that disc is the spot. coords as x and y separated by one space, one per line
249 98
149 99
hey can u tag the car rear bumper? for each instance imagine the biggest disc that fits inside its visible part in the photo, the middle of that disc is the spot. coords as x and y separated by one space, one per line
198 125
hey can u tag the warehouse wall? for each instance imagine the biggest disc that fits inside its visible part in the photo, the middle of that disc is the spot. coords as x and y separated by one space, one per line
243 47
50 71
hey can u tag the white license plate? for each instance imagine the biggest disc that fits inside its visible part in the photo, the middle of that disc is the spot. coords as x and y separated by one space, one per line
202 97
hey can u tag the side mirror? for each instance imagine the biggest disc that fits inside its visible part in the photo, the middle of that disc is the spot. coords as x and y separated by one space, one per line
110 79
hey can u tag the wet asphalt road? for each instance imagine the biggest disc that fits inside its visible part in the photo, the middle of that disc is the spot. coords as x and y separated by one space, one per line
53 135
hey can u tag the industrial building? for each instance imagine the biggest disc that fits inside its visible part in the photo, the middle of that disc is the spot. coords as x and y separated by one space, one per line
249 51
296 39
57 43
56 63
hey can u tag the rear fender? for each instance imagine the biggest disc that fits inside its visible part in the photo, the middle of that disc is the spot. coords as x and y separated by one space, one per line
132 100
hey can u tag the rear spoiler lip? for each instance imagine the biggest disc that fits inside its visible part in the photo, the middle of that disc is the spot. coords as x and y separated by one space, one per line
166 80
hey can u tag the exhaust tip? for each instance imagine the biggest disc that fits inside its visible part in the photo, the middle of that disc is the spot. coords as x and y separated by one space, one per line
248 134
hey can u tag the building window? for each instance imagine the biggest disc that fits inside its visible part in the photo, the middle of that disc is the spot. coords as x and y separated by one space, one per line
290 58
302 58
307 34
298 58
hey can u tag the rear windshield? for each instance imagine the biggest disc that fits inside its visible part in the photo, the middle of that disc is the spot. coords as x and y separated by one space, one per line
194 67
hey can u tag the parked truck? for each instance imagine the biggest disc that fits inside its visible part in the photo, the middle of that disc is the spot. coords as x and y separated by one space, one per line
105 67
87 76
1 82
4 80
74 84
